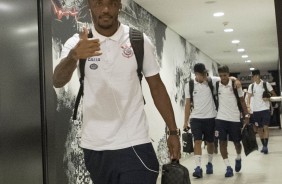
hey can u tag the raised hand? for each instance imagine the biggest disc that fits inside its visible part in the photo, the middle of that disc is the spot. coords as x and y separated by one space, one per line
86 47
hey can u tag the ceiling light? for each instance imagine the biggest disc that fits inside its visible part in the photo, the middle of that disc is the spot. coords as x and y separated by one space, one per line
5 7
228 30
235 41
241 50
210 2
245 56
209 32
252 68
218 14
248 61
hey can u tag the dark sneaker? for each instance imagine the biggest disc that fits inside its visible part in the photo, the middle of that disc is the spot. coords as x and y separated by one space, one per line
238 165
229 172
198 172
209 168
265 151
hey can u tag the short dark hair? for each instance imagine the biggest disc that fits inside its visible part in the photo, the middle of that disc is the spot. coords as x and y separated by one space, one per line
255 72
200 68
223 69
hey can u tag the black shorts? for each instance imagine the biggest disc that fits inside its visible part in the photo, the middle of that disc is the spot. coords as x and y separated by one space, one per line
123 166
262 118
203 129
228 130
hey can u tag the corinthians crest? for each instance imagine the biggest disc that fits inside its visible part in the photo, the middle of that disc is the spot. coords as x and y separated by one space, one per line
127 51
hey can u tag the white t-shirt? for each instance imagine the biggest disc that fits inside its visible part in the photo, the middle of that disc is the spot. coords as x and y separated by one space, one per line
258 103
113 105
227 107
203 102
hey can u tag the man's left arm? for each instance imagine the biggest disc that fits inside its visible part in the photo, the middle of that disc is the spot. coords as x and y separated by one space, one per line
163 104
245 112
268 85
273 93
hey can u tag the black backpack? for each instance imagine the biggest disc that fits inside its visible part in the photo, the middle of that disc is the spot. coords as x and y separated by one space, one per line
235 93
191 89
137 43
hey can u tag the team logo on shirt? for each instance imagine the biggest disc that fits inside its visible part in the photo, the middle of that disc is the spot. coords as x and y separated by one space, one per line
93 66
127 51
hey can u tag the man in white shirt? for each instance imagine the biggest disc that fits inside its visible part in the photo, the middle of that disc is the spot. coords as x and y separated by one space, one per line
261 107
201 117
228 120
115 137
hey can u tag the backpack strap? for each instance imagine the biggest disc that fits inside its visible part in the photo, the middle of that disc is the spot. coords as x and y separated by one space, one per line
252 87
211 87
137 43
216 94
264 86
216 87
81 81
191 89
210 84
235 91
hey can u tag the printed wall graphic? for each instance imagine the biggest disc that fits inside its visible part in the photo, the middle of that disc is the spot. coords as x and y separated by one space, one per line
183 71
175 55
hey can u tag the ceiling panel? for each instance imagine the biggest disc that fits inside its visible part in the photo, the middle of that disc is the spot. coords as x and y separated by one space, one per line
253 22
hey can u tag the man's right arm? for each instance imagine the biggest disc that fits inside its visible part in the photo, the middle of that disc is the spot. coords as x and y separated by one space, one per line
64 70
249 98
187 113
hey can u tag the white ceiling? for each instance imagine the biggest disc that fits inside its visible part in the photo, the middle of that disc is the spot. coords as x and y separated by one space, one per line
253 22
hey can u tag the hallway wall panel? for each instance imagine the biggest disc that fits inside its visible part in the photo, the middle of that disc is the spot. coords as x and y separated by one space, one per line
20 117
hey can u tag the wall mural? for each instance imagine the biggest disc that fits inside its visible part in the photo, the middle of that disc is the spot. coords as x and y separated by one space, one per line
183 71
68 17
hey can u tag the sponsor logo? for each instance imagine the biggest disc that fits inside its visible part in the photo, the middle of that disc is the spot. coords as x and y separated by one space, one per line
127 51
93 66
94 59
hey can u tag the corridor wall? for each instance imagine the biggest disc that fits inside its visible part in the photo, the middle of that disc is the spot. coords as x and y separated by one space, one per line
20 95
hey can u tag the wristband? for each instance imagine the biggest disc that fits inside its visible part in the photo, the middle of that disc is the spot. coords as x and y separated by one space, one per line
174 132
